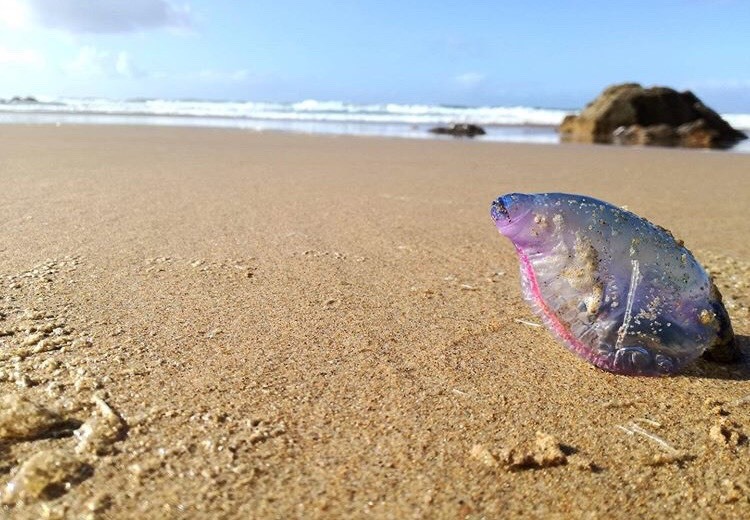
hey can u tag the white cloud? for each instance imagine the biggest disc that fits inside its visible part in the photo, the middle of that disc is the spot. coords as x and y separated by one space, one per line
124 65
97 63
14 13
96 16
23 57
469 79
221 76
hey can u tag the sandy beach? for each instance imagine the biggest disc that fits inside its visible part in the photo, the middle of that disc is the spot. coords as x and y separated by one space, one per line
212 323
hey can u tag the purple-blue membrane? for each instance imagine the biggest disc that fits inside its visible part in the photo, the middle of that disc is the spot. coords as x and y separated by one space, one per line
617 290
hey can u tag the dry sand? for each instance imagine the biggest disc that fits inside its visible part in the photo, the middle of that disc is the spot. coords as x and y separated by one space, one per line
223 324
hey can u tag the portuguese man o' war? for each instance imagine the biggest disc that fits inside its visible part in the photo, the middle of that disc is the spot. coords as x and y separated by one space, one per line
616 289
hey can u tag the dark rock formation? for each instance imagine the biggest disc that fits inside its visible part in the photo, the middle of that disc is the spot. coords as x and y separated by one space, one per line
459 130
18 100
631 114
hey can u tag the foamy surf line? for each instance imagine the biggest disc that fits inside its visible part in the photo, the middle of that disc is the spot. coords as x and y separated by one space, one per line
498 133
516 124
309 110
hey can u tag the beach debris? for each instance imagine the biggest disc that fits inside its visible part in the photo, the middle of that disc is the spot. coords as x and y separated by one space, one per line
496 276
633 429
98 434
650 422
668 455
50 473
548 451
21 419
45 475
617 290
545 452
213 333
483 455
527 323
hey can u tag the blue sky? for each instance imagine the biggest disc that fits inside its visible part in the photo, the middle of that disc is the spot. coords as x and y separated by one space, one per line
550 53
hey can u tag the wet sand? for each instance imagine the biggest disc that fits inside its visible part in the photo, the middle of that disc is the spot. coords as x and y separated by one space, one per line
206 323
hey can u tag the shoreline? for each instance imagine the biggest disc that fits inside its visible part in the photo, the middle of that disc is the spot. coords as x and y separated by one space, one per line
496 133
505 133
142 114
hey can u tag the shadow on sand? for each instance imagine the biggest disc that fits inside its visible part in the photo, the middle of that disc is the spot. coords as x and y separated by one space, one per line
738 371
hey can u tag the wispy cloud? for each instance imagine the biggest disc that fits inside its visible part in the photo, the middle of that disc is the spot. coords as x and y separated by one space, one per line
469 79
96 16
23 57
91 62
124 65
222 76
14 13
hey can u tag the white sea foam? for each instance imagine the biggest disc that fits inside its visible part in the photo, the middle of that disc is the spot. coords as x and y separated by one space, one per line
307 110
315 110
739 121
515 124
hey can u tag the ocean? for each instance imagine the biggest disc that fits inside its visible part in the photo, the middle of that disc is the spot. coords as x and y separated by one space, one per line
509 124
